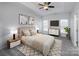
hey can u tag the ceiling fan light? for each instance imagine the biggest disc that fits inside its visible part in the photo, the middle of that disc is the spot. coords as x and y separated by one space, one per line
45 7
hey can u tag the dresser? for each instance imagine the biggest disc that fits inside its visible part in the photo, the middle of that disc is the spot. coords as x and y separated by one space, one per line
54 31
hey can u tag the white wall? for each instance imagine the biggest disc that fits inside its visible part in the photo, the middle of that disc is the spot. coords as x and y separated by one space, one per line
57 16
10 19
1 27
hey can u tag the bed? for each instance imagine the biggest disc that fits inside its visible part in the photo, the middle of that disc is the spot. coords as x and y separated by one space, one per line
40 42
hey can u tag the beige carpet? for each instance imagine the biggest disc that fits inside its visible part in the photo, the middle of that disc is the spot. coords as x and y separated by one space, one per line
57 50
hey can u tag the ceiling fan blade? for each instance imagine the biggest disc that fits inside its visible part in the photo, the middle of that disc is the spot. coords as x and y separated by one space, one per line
46 9
41 8
40 4
45 3
49 3
51 6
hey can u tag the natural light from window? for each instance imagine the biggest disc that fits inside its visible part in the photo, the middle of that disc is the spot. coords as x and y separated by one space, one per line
45 25
63 24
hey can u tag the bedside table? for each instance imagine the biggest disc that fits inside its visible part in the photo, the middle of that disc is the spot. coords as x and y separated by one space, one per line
13 42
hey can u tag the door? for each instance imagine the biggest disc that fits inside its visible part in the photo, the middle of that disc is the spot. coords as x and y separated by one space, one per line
78 29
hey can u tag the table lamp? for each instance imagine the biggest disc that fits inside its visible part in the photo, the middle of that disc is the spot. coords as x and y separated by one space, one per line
13 32
37 30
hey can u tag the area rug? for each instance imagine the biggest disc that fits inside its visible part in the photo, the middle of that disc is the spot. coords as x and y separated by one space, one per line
56 50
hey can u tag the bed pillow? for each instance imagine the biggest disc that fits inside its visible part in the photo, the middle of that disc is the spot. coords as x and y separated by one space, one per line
26 33
33 32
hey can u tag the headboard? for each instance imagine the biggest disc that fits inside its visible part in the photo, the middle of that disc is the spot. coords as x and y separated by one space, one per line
24 28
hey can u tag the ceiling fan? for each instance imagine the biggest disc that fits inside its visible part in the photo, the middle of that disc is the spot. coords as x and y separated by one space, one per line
45 5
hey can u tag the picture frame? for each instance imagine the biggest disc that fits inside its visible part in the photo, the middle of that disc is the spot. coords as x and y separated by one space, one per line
31 20
23 19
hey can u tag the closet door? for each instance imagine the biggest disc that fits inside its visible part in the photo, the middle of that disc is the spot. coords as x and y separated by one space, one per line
76 27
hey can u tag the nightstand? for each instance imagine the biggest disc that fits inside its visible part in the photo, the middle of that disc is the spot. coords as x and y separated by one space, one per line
13 42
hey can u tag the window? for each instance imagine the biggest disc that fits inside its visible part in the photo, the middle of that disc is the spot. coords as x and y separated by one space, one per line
45 25
63 24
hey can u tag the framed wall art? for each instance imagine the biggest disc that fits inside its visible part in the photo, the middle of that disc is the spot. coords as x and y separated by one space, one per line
23 19
31 20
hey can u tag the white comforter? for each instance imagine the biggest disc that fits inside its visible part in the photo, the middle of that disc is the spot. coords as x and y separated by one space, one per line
40 42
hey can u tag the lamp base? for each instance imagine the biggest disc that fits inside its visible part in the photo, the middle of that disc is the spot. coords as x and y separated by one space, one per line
37 31
13 36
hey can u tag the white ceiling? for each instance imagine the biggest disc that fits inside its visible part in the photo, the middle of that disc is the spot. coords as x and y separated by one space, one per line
60 7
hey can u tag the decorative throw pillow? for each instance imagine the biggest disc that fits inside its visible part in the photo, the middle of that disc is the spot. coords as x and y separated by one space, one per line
33 32
26 32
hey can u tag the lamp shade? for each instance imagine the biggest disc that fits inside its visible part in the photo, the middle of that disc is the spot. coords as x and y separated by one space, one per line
13 31
37 28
